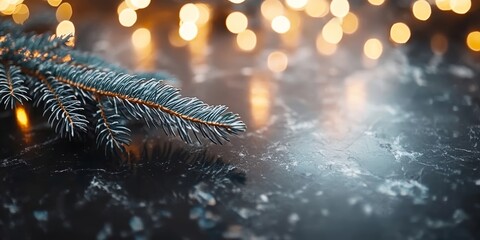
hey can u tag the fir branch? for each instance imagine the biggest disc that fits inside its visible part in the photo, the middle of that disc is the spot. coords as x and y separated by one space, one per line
76 88
12 88
62 106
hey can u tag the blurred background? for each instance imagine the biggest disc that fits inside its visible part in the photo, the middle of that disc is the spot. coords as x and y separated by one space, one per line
363 123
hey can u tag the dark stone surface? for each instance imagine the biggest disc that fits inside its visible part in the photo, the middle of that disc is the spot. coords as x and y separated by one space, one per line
334 150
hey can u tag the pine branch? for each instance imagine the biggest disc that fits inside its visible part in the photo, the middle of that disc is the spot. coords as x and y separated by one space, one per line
76 88
12 87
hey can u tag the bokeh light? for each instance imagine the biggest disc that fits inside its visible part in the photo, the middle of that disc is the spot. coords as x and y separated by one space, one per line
127 17
54 3
189 13
21 14
473 41
460 6
65 28
373 48
332 32
324 47
236 22
339 8
350 23
317 8
400 32
421 10
247 40
443 5
277 61
140 3
281 24
64 12
204 11
22 117
271 8
376 2
141 38
237 1
188 31
296 4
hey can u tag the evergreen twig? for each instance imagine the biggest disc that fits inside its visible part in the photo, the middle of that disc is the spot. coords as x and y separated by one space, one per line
77 89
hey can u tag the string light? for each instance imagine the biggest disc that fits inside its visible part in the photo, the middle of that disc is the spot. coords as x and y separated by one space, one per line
421 10
350 23
443 5
460 6
473 41
376 2
139 4
54 3
373 48
271 8
332 32
237 1
65 28
317 8
204 13
189 13
277 61
247 40
21 14
281 24
296 4
127 17
188 31
400 32
339 8
22 117
141 38
64 12
236 22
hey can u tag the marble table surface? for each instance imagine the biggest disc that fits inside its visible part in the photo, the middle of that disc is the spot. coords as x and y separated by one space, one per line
337 147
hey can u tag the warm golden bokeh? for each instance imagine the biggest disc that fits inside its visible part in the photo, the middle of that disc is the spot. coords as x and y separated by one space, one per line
21 14
296 4
65 28
189 13
339 8
473 41
139 4
443 5
317 8
400 32
141 38
22 117
376 2
204 11
332 32
64 12
421 10
271 8
236 22
247 40
460 6
281 24
127 17
188 31
277 61
54 3
350 23
373 48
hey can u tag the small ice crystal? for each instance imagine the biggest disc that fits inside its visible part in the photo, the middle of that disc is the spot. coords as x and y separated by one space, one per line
136 224
41 215
293 218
